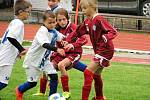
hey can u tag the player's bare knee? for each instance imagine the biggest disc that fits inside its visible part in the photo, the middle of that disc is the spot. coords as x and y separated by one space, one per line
61 66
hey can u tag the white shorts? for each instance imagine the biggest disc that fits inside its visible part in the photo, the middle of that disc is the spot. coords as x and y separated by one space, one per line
33 73
5 72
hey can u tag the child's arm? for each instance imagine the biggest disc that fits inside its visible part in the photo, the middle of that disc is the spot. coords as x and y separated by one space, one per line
14 42
110 31
79 32
49 47
79 42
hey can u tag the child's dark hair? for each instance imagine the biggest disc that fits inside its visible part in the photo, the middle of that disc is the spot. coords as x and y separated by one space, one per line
62 11
48 14
21 5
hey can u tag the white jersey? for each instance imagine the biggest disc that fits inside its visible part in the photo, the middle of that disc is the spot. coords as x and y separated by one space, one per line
66 4
36 52
55 9
8 52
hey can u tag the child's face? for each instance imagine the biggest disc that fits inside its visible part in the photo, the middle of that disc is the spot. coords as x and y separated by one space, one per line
62 20
53 3
25 13
50 23
87 10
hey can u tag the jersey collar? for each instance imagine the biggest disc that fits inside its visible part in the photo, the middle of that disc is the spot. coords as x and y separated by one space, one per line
95 15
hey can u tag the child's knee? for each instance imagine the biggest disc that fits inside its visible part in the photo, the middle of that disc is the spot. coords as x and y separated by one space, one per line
61 66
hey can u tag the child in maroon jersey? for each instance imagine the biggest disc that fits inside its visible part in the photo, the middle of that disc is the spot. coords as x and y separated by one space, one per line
73 48
101 34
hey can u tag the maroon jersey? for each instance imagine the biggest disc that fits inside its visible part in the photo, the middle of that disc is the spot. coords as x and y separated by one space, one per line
76 42
74 54
101 35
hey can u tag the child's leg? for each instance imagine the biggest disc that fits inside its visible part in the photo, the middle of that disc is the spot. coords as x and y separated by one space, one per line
80 66
32 77
43 83
23 88
2 85
88 78
98 84
26 86
64 76
53 83
52 73
5 72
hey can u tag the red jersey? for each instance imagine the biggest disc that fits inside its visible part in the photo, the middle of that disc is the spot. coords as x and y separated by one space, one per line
101 35
76 42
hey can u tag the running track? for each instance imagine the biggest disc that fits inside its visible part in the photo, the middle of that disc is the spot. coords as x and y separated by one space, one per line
124 40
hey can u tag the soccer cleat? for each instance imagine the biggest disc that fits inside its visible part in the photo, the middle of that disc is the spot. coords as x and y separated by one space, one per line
38 94
101 98
19 95
67 95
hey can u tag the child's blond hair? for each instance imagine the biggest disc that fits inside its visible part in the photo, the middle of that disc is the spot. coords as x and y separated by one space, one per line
89 3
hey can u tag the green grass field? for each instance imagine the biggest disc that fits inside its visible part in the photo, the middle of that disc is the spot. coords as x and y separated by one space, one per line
122 81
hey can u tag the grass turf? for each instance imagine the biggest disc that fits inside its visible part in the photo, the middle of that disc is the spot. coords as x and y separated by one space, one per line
122 81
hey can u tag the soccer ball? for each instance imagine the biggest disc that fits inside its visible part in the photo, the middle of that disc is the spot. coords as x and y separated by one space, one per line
56 96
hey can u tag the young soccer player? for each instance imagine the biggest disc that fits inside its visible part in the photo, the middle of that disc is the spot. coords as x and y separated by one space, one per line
65 27
37 56
11 42
73 49
53 5
101 34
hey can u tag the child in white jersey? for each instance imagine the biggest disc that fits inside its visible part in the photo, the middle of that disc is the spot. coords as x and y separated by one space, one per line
54 5
37 57
11 42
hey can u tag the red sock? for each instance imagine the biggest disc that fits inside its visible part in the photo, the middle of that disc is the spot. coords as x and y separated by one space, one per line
43 82
98 84
88 78
64 82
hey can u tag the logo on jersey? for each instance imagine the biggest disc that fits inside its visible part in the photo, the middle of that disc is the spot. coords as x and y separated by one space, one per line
31 78
94 27
67 35
6 78
87 28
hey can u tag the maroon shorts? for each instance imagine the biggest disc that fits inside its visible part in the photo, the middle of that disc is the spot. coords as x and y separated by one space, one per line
73 57
102 60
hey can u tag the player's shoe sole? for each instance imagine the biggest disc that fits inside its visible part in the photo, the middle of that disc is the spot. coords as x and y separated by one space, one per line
67 95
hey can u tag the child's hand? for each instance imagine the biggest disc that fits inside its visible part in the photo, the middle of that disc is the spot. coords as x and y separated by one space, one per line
22 53
64 43
68 47
61 51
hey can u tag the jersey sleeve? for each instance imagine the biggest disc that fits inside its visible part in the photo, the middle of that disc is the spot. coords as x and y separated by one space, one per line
73 26
80 41
60 37
42 37
109 31
79 32
15 30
